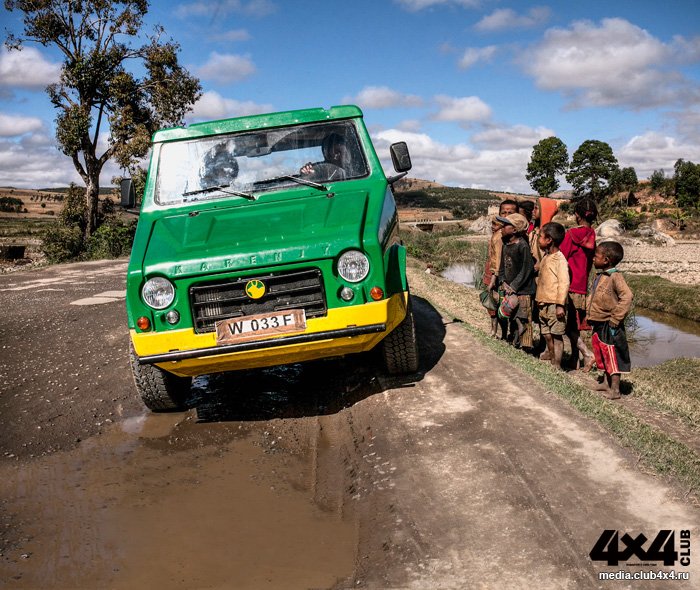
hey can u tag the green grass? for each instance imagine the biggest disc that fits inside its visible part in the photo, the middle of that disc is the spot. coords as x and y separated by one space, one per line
25 228
671 387
442 250
663 295
462 202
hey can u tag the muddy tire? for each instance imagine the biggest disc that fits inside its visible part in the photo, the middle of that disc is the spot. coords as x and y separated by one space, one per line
400 348
160 391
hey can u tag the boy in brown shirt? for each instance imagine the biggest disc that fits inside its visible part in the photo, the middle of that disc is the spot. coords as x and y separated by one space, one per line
552 291
610 302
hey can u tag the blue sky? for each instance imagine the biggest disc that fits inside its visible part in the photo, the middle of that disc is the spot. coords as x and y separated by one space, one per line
470 85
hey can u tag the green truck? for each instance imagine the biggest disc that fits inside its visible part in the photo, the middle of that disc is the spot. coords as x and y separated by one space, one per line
265 240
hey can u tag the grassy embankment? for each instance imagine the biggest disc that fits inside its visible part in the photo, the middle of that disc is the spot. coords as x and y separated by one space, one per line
663 295
671 388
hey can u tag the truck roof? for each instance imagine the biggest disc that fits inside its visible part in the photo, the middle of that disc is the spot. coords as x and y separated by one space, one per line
268 120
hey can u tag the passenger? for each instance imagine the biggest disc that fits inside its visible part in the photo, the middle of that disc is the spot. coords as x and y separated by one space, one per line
219 167
552 291
337 161
610 302
578 247
517 276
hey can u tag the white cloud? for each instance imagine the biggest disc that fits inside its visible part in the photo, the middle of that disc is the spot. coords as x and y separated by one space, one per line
226 68
507 18
14 125
468 109
223 8
232 36
382 97
27 69
615 63
416 5
653 151
459 164
517 136
413 125
472 55
214 106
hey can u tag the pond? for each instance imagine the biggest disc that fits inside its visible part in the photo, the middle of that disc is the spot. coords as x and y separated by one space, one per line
654 337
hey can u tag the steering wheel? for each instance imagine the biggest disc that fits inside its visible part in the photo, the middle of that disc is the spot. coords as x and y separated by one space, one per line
327 171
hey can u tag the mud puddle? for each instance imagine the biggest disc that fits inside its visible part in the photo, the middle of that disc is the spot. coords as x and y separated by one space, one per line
166 501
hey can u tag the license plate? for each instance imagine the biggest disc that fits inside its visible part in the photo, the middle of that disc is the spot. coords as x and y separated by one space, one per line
250 327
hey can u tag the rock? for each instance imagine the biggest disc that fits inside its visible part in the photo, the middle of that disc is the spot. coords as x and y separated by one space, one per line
610 228
665 239
663 225
481 225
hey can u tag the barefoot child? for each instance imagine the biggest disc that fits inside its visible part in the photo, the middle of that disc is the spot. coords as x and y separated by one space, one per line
517 275
578 247
552 291
493 262
610 302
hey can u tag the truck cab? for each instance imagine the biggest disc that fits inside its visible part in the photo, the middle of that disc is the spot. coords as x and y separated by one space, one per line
262 241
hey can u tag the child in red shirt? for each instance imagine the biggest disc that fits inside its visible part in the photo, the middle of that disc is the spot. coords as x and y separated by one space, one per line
579 247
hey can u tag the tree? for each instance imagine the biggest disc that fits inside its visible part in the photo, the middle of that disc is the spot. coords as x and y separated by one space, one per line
549 159
591 169
657 179
687 183
95 87
625 180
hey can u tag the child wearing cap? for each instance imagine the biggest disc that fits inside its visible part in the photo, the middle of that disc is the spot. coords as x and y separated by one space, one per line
517 275
552 291
609 304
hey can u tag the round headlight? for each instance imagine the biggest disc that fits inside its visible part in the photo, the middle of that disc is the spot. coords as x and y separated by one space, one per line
158 293
353 266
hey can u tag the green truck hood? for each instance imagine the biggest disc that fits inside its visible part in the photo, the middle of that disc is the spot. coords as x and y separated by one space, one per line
254 234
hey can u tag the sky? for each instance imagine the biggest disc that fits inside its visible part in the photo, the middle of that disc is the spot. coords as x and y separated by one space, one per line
470 85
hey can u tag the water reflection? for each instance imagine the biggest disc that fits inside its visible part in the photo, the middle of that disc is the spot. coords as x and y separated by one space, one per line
657 337
465 273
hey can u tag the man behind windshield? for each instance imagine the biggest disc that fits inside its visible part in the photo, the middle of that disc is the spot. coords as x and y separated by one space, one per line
336 164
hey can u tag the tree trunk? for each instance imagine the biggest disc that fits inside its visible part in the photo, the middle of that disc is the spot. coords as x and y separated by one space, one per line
92 193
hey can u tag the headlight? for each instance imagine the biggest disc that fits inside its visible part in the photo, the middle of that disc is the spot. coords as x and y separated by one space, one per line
158 293
353 266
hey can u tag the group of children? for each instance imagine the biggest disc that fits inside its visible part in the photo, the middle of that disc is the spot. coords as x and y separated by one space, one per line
539 274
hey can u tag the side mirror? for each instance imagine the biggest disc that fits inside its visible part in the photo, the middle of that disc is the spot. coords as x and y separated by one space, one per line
400 156
128 193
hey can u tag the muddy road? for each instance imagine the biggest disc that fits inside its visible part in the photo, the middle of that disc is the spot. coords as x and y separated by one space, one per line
326 475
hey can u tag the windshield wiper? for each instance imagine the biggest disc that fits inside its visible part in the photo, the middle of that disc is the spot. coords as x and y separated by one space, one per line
224 188
311 183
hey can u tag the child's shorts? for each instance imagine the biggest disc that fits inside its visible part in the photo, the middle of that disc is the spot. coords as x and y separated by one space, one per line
576 313
549 324
610 349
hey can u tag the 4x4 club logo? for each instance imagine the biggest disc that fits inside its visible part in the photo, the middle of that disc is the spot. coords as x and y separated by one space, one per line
614 549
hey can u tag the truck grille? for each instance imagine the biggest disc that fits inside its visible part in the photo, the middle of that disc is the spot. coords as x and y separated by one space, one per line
212 302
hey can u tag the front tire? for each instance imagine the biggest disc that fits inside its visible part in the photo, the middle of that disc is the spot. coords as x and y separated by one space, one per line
160 391
400 347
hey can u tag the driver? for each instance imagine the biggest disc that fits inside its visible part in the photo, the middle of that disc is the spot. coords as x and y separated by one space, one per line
336 160
220 167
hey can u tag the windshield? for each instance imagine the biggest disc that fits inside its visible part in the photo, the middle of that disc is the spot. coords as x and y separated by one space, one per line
246 164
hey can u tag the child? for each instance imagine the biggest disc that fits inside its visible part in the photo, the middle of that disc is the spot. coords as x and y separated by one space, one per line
552 291
578 248
610 302
517 275
493 261
542 214
506 207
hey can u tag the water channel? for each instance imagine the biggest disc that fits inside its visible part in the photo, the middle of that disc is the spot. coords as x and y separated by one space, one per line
654 337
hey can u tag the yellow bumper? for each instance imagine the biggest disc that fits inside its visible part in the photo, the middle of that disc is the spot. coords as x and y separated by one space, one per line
198 354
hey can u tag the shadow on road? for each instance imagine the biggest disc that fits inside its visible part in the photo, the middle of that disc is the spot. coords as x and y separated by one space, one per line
314 388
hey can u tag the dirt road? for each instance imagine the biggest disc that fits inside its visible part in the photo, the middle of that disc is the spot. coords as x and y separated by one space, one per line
466 475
